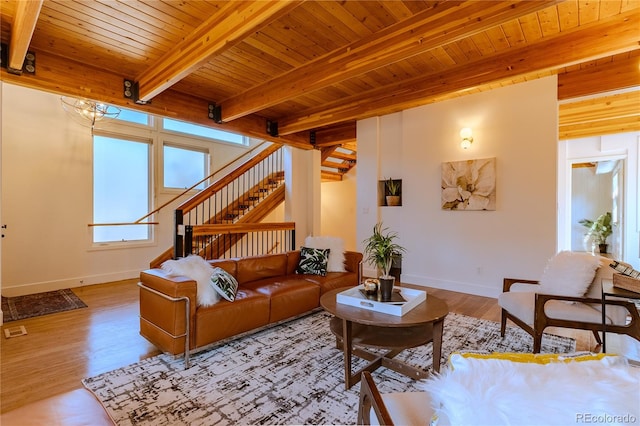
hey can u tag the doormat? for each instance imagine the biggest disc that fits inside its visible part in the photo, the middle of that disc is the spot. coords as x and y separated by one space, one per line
35 305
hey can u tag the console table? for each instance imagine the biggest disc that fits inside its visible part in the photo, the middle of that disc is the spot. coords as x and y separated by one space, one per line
633 327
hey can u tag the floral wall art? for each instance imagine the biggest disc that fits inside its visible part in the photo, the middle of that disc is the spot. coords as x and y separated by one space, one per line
469 185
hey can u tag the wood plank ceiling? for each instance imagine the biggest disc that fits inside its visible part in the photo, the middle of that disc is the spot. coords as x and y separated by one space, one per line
312 68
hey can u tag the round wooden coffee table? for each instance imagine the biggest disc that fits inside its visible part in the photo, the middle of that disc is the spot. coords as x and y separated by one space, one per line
356 326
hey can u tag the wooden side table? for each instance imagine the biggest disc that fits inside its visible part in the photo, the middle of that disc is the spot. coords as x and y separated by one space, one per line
633 327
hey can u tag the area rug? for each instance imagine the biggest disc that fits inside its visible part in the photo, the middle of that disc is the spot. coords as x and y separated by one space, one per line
289 374
35 305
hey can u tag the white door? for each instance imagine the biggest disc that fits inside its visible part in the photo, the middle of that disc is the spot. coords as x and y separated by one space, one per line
617 211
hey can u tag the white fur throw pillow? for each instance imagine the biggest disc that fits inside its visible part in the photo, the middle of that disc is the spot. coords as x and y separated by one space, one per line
569 274
503 392
336 251
197 269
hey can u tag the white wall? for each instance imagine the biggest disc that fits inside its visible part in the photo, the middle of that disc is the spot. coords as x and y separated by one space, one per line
47 200
468 251
338 209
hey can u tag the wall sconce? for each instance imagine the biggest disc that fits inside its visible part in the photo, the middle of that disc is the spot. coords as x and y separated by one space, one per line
467 139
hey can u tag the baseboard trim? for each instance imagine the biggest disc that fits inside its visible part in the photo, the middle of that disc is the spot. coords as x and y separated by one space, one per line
468 288
40 287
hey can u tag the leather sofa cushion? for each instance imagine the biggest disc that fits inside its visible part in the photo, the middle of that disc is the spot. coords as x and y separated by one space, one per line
229 265
293 259
290 296
261 267
225 319
333 280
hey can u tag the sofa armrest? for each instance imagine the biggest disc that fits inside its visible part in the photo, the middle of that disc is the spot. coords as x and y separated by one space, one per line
508 282
352 261
171 285
163 315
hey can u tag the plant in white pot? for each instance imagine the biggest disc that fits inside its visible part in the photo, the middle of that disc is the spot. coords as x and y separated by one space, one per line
380 249
598 230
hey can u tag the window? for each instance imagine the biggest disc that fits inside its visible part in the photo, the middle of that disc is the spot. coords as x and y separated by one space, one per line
133 117
202 131
183 167
121 188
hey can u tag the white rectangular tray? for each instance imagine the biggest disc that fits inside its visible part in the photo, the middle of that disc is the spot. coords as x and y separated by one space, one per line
354 297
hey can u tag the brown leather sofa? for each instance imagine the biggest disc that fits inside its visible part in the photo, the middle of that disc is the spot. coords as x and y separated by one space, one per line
269 291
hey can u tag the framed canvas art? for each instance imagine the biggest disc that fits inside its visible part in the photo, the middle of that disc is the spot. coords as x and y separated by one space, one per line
469 185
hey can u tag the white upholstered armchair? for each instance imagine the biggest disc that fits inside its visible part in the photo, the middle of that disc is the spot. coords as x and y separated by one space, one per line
568 295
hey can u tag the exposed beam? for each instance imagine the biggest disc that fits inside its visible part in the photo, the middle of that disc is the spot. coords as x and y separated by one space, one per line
598 128
27 12
599 78
445 22
336 135
618 33
330 176
600 116
600 108
66 77
235 21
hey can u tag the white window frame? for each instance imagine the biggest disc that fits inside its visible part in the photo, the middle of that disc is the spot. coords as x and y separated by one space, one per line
179 142
150 143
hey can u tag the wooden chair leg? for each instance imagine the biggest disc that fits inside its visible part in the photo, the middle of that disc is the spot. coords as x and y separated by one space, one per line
537 342
597 336
503 323
370 399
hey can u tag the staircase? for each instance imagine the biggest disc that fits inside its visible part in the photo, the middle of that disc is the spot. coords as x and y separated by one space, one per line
337 160
217 218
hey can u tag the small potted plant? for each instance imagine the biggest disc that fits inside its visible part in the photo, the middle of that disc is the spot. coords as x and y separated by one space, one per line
393 192
598 230
380 249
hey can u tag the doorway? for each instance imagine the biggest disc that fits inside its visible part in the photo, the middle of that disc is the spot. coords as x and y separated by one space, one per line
596 195
611 164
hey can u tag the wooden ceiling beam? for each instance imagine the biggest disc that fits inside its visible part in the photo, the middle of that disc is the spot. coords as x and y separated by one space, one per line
599 128
444 22
336 135
65 77
599 78
603 107
618 33
599 116
27 13
234 22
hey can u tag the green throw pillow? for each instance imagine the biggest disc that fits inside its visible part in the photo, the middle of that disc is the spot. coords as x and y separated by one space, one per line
224 283
313 261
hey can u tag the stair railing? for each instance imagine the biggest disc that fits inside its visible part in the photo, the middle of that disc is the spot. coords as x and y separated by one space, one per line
227 199
195 185
239 239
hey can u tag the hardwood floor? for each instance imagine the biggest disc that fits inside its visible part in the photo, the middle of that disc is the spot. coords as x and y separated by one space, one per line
60 350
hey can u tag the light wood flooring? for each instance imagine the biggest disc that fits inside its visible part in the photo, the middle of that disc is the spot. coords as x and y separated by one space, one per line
61 349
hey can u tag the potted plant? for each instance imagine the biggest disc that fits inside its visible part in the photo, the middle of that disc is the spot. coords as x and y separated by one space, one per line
380 249
599 230
393 192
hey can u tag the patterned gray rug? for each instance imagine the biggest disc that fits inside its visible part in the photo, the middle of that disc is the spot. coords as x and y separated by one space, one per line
289 374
